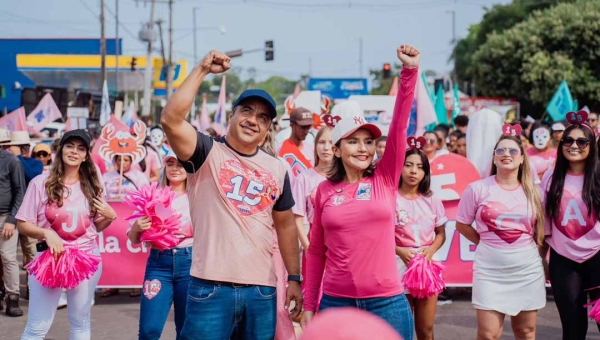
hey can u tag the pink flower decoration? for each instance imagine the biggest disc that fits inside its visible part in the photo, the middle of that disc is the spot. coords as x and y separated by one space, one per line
72 267
423 279
154 202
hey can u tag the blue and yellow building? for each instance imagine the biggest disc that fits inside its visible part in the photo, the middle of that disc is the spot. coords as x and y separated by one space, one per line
69 67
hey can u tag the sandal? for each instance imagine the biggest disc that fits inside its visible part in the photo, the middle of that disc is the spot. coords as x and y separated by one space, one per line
108 292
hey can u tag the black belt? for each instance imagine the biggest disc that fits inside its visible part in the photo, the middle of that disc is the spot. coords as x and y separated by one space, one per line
227 284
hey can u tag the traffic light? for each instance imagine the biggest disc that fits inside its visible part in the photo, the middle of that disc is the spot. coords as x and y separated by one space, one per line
387 70
133 63
269 51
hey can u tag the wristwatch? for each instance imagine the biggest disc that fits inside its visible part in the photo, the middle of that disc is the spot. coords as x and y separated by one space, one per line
297 278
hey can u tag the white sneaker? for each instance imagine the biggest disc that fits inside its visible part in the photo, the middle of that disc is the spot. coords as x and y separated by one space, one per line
62 303
93 302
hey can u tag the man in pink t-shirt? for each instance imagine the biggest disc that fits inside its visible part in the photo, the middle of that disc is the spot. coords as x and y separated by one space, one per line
237 194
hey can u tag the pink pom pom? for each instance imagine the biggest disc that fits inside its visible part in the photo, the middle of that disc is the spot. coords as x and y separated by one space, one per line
154 202
423 279
594 313
72 267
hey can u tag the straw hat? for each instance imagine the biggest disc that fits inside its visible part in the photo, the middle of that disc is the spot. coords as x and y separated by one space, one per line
18 138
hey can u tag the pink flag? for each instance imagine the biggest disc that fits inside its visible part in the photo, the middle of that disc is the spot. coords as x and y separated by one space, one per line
221 114
70 125
15 121
394 88
425 110
45 113
204 119
130 116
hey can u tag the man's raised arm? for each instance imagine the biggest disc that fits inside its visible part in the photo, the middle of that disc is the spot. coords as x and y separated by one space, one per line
179 132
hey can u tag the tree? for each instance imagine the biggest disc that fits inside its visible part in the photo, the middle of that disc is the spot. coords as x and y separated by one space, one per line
278 87
531 59
496 20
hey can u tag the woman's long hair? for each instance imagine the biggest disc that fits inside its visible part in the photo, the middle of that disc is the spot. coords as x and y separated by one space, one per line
317 139
269 143
164 181
89 181
425 184
529 188
590 180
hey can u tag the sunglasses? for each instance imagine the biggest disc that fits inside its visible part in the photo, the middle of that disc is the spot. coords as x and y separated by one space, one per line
581 142
432 141
41 154
503 151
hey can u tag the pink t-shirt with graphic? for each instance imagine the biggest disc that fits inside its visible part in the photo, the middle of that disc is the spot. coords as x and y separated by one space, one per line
352 234
304 189
132 179
152 162
71 222
541 162
574 234
503 218
416 220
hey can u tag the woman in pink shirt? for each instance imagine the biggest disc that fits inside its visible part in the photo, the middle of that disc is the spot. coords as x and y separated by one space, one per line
65 207
542 156
118 186
352 235
305 185
508 272
572 228
420 228
167 274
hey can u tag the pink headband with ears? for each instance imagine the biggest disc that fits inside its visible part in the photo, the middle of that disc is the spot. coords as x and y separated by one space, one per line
579 118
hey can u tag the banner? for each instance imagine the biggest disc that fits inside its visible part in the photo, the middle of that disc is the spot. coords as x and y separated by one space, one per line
450 175
123 263
14 121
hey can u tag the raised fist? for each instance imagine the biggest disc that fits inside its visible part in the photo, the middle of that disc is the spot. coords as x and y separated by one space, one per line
409 56
215 62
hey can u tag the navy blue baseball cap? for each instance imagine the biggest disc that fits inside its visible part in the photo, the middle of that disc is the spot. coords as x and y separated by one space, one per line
260 95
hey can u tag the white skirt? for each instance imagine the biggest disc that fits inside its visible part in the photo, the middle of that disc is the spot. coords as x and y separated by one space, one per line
508 281
402 267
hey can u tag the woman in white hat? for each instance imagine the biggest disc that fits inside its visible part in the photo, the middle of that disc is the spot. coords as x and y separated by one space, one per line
352 235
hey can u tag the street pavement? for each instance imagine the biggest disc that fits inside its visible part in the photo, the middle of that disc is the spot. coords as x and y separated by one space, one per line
116 317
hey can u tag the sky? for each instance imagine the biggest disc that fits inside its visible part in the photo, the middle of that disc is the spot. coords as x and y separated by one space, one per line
320 37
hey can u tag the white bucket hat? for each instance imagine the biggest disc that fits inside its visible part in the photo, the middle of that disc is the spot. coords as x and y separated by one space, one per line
351 118
18 138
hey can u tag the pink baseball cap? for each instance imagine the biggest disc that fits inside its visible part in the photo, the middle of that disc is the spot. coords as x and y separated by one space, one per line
352 119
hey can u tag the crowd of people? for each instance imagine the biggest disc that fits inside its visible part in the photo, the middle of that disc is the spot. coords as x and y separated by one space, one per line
275 232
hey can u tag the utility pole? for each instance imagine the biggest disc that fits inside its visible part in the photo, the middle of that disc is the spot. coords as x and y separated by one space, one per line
195 42
169 65
360 57
453 12
148 70
102 44
117 47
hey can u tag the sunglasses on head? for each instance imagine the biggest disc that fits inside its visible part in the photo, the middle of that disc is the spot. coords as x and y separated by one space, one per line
581 142
41 154
503 151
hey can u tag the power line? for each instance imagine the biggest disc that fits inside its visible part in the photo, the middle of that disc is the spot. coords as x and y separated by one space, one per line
348 5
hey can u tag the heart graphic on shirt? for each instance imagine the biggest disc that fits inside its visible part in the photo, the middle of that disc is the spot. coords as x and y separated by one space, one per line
249 190
573 220
70 221
507 224
162 212
152 288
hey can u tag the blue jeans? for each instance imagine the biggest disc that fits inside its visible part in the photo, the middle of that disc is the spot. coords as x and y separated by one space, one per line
166 283
218 311
394 310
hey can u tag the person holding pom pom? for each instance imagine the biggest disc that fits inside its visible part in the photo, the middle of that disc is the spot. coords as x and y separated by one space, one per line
65 210
420 229
352 234
508 273
573 227
168 271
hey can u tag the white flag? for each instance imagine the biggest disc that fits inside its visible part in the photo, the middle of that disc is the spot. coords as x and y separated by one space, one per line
105 110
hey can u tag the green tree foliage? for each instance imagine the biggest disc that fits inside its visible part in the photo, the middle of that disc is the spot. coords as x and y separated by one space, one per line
530 59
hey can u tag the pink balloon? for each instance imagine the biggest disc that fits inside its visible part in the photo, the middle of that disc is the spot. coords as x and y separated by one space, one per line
348 324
